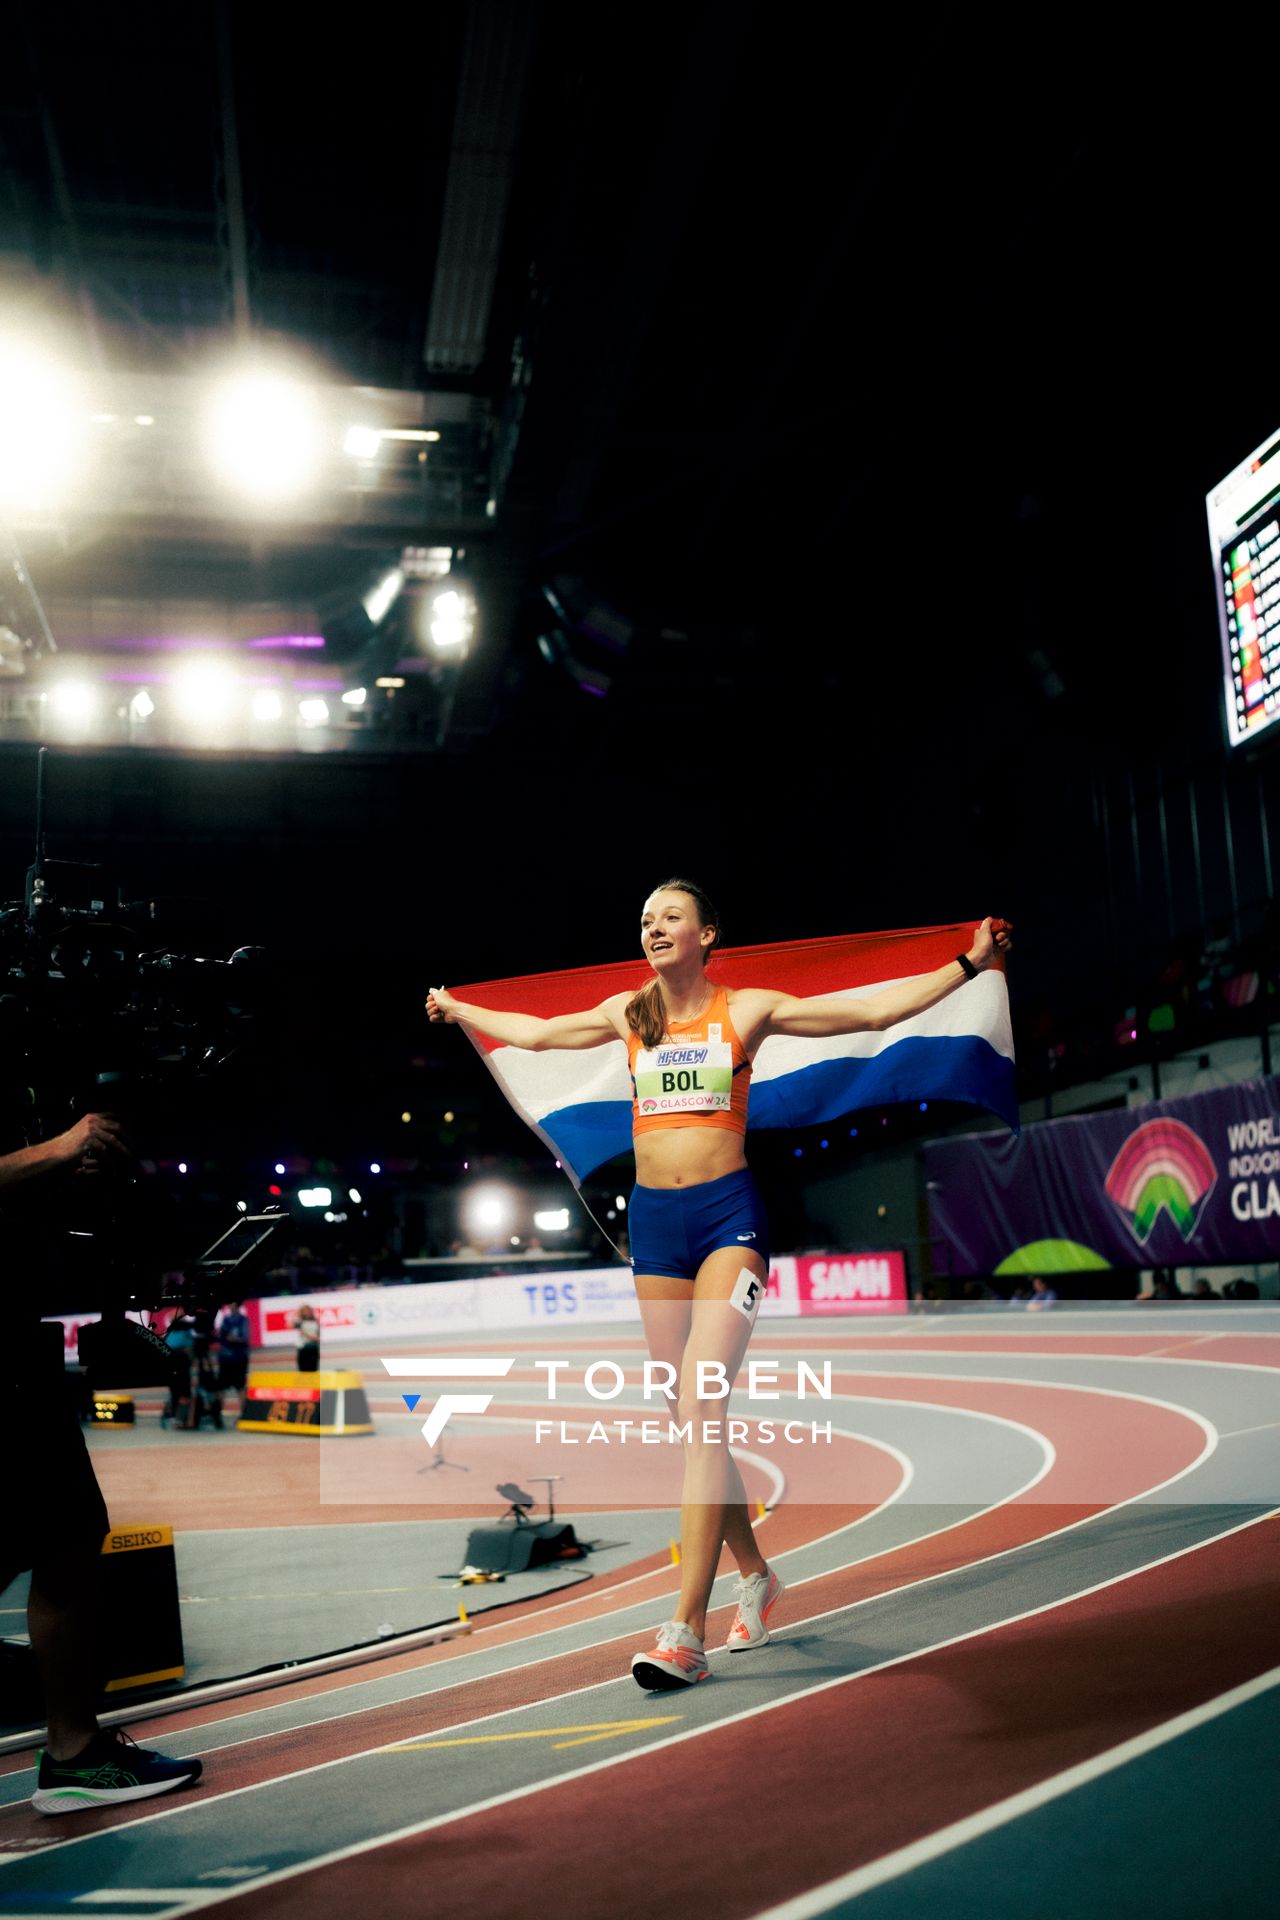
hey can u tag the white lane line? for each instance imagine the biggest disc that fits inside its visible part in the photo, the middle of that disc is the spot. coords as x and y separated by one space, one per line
576 1693
794 1586
891 1865
885 1446
906 1587
1180 1346
1206 1426
1238 1432
513 1794
144 1897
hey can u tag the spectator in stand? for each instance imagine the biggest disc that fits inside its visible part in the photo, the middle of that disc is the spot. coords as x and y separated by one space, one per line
1240 1290
1201 1290
1162 1286
1042 1296
307 1326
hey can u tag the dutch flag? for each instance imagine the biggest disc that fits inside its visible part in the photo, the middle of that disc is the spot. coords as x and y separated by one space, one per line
579 1101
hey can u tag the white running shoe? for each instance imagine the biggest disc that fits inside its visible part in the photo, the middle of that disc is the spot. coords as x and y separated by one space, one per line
676 1660
756 1596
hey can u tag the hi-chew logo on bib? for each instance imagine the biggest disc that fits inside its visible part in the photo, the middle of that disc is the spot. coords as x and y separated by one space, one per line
685 1077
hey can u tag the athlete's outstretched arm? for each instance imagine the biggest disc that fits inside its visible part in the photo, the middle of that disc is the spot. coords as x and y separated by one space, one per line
872 1013
589 1029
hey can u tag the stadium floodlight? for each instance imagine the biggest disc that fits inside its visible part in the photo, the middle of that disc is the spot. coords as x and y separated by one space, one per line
264 435
379 600
266 705
362 443
74 701
203 692
355 696
315 1196
40 426
552 1220
488 1209
142 706
450 620
313 712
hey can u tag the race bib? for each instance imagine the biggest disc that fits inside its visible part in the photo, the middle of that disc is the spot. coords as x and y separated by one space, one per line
687 1076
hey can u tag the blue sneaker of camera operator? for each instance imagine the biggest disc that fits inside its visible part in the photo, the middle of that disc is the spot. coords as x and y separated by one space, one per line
54 1516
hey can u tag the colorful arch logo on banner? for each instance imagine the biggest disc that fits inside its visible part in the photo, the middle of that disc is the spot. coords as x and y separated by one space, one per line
1162 1164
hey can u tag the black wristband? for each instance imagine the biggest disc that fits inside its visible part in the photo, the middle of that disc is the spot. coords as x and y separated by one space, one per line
970 971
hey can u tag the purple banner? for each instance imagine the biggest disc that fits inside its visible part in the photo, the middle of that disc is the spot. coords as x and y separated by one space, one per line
1174 1183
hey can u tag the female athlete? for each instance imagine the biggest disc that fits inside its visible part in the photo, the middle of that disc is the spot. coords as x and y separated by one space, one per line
698 1232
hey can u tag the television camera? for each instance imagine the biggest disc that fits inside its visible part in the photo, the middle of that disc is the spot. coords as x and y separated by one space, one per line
97 1016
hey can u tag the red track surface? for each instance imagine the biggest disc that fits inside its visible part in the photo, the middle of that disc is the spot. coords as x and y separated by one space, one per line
964 1726
1138 1445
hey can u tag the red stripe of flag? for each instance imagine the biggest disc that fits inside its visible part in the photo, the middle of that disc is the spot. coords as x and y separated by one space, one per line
832 964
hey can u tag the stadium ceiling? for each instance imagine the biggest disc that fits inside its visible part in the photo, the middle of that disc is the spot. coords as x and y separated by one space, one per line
710 323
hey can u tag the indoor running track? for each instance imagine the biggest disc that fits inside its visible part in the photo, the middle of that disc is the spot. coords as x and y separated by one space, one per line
1033 1670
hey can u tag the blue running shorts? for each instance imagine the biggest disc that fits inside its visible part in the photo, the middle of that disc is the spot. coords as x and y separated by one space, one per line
673 1229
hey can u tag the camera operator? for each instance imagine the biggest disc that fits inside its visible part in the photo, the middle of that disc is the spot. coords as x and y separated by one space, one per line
55 1516
233 1351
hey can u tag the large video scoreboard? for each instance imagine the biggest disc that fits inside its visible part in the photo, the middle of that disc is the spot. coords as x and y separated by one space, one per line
1244 532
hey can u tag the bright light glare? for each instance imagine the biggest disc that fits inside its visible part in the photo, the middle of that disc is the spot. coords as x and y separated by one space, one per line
362 443
450 620
355 696
313 713
354 1195
204 691
39 426
379 601
315 1196
74 700
489 1208
266 705
264 436
552 1220
142 706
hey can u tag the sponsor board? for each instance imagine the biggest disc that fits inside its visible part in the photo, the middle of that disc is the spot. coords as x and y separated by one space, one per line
799 1284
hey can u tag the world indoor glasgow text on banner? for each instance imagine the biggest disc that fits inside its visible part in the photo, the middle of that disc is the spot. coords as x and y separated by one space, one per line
1194 1181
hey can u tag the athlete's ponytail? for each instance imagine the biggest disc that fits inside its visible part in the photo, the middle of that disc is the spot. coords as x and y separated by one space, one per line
646 1015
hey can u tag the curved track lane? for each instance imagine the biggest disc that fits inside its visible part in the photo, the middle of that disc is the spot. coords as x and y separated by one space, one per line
1114 1576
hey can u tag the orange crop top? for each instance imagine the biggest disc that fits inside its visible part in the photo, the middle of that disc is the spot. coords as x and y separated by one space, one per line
698 1075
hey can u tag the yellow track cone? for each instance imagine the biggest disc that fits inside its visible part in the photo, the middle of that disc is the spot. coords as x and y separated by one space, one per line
675 1553
761 1510
462 1617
